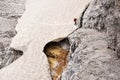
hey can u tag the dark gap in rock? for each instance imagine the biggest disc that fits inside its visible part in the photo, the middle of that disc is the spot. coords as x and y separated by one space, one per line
81 18
14 17
57 52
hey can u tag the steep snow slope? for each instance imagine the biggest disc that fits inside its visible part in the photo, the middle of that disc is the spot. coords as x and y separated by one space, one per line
43 21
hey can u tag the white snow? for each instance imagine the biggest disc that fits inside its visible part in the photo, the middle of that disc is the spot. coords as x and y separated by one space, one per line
43 21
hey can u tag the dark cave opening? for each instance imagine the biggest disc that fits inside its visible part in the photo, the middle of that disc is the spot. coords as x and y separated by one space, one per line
57 52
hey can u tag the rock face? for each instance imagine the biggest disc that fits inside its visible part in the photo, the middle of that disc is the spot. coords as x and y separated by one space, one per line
7 55
104 16
12 8
91 58
94 46
42 22
10 11
100 15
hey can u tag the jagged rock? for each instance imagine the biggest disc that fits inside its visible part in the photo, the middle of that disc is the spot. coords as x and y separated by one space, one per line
8 56
99 15
10 11
104 16
7 24
11 8
91 59
94 56
6 37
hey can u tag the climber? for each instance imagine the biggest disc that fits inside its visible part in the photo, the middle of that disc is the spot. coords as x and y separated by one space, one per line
75 21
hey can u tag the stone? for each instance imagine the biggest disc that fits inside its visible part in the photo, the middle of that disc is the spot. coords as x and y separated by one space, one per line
93 55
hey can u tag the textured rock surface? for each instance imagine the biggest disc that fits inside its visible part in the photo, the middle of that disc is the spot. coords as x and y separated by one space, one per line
7 24
91 58
7 55
95 46
104 16
100 16
11 8
10 11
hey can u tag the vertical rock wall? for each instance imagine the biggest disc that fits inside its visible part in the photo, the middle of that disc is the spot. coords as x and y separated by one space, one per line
104 16
10 11
95 46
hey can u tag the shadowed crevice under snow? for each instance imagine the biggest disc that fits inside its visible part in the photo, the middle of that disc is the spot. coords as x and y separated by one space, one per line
57 52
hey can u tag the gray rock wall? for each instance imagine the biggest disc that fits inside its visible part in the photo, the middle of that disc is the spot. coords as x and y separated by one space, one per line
91 59
104 16
11 8
94 53
10 12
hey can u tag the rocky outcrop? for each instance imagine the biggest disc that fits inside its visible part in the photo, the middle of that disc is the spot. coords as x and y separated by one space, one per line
7 54
10 11
104 16
94 46
91 58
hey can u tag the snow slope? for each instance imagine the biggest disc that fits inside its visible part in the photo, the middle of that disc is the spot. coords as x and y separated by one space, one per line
43 21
